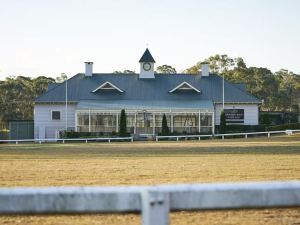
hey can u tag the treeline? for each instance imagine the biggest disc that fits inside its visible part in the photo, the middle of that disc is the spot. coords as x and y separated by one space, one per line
279 91
17 96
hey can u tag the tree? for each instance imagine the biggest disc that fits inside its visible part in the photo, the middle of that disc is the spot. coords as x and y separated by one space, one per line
164 126
61 78
166 69
217 64
17 95
123 124
279 91
124 72
222 122
289 89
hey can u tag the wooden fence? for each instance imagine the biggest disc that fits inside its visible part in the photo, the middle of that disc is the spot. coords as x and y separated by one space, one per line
153 202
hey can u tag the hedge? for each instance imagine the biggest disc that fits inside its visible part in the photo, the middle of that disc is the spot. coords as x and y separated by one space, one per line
74 134
242 128
4 134
289 126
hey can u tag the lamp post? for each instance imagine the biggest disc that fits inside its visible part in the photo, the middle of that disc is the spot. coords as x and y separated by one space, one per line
66 104
223 85
223 88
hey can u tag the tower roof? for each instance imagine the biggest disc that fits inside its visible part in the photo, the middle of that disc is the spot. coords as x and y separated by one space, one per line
147 57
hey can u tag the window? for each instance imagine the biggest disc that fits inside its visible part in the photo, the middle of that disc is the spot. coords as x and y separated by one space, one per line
55 115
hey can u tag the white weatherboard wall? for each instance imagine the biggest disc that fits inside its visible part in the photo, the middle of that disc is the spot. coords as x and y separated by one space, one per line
250 112
45 127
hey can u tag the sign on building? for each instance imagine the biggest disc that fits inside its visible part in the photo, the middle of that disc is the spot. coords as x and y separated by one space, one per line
234 115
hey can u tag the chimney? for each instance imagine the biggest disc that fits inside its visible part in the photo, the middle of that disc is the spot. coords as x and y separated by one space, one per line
205 70
88 69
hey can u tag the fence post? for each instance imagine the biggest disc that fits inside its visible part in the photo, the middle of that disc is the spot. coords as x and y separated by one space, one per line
199 138
223 137
268 134
177 138
246 136
155 208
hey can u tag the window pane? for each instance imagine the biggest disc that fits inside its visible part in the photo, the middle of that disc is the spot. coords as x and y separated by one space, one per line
130 120
185 121
83 120
206 120
55 115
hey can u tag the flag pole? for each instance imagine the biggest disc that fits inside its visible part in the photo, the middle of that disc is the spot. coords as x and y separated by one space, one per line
223 93
66 104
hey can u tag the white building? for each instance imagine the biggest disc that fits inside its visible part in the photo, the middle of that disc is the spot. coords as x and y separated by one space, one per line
191 103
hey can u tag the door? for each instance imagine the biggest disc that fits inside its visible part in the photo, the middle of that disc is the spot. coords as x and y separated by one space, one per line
144 123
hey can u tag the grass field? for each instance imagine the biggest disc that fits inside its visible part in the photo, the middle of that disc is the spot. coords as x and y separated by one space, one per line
149 163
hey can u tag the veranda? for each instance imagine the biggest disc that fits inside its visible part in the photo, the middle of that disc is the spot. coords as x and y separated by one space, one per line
145 121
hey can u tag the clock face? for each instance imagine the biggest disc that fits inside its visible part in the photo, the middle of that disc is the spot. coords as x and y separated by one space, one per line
147 66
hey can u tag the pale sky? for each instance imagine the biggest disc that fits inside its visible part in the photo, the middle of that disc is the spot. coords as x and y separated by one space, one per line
40 37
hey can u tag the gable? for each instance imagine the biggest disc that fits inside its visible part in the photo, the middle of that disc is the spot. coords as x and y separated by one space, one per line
107 86
185 86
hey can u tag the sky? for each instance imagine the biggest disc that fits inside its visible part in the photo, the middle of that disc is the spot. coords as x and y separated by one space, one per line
39 37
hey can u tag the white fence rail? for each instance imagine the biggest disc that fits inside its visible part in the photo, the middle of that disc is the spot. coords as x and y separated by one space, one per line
64 140
157 138
184 137
154 202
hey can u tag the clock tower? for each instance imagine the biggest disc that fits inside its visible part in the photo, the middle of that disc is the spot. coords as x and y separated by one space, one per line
147 65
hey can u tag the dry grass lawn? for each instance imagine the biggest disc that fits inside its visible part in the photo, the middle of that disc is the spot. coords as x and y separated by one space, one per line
149 163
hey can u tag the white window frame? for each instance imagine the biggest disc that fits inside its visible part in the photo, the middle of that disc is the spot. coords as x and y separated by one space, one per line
179 87
113 87
53 110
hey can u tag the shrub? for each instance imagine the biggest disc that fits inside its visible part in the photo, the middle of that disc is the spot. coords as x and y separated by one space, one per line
222 122
164 126
242 128
70 134
73 134
123 124
290 126
4 134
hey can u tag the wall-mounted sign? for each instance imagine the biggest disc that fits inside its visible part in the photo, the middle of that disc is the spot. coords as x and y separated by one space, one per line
234 115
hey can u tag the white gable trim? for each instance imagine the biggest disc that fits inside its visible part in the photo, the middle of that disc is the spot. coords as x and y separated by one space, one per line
180 87
112 87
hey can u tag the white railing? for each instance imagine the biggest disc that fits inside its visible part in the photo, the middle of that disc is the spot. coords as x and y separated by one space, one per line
154 202
268 133
64 140
177 138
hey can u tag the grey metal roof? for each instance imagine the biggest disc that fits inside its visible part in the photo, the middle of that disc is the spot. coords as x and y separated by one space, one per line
148 104
241 87
147 57
80 88
52 85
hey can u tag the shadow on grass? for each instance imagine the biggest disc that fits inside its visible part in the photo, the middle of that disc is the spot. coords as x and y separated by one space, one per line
151 151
